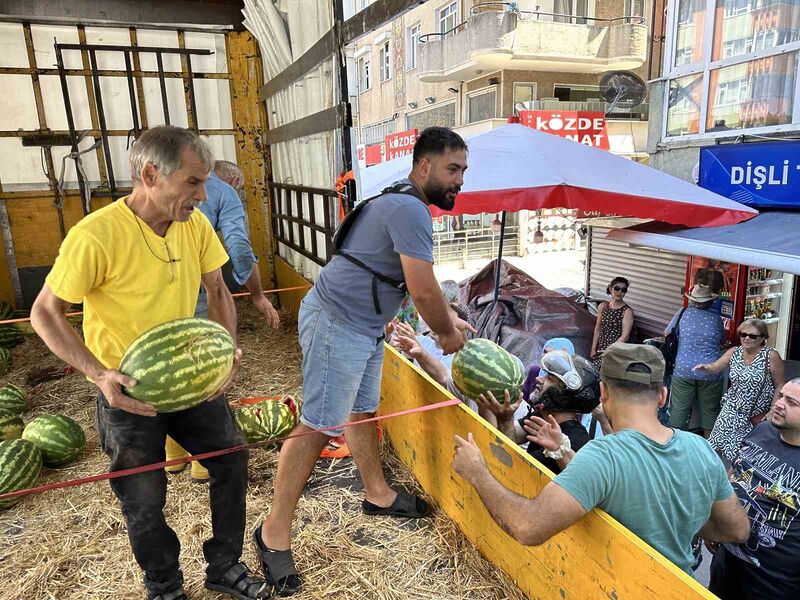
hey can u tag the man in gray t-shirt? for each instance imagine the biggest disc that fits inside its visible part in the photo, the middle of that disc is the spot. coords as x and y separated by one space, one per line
340 327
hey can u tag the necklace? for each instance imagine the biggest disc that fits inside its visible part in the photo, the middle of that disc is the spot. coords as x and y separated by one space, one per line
169 261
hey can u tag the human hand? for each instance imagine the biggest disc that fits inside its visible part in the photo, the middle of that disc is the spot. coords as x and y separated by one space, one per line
111 382
264 306
405 329
410 346
504 411
702 368
237 357
468 460
451 342
711 546
545 433
463 325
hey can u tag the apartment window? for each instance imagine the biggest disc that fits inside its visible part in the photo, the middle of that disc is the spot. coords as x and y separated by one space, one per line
447 17
742 75
412 40
385 58
364 82
576 92
443 115
482 105
634 8
571 11
524 93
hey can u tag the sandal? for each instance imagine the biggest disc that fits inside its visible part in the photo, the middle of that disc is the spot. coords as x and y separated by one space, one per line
178 594
405 506
238 582
278 566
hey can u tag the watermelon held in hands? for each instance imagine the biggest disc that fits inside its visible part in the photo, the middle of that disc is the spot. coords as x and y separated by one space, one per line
179 364
59 438
13 399
11 425
20 463
482 366
265 421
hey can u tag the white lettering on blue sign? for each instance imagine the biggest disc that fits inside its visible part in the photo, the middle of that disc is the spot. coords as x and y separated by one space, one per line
761 175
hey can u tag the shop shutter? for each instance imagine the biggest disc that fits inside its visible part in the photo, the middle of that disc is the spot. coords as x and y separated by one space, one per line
657 278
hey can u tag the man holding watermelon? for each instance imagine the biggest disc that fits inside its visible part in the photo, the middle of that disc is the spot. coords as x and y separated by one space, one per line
388 249
137 264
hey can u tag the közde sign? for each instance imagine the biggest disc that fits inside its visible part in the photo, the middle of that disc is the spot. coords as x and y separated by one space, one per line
761 175
585 127
400 144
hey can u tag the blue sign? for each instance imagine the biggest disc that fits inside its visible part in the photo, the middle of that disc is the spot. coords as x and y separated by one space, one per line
763 175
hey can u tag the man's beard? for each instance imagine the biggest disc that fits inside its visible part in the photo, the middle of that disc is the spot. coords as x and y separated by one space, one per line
438 196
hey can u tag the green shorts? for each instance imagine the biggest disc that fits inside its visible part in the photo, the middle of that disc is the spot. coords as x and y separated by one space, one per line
682 395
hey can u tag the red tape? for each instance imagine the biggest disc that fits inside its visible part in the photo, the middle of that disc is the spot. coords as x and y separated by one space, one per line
185 459
236 295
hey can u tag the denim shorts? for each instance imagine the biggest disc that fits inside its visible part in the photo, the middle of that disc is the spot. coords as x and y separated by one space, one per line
341 369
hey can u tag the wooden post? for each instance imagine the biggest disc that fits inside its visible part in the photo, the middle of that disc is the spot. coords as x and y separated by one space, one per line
252 156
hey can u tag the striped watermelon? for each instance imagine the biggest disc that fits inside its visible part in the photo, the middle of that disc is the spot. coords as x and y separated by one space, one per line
481 366
59 438
6 311
10 336
13 399
5 361
265 421
20 463
179 364
11 425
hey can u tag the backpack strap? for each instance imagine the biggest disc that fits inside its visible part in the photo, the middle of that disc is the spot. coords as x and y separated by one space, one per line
344 229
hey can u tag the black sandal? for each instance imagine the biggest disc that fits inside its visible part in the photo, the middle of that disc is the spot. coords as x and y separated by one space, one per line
405 506
238 582
278 566
178 594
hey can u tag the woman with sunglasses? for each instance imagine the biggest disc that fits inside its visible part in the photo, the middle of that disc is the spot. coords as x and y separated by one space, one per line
614 320
756 376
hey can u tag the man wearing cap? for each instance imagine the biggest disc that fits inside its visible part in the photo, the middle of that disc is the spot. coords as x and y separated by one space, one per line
569 386
662 484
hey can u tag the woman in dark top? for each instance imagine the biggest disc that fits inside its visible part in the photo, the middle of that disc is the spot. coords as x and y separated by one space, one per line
614 320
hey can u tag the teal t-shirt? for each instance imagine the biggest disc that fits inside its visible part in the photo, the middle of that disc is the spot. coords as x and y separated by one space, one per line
661 492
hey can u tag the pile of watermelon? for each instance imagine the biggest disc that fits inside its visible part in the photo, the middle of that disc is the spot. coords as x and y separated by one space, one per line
267 420
50 440
482 366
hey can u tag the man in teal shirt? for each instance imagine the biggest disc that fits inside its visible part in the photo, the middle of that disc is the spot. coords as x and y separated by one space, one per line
662 484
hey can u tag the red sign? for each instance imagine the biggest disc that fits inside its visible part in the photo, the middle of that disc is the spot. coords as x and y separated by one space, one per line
401 144
585 127
374 154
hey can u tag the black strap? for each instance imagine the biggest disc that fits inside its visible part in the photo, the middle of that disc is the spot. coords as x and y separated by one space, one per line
592 428
677 330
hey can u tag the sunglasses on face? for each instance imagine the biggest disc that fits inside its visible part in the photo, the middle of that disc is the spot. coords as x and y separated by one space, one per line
619 288
750 336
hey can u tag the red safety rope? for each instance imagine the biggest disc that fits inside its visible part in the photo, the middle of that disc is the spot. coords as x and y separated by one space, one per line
185 459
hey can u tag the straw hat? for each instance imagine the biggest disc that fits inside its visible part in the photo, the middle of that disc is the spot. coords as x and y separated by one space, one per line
701 293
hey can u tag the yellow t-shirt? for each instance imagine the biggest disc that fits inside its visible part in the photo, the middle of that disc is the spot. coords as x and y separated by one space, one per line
120 269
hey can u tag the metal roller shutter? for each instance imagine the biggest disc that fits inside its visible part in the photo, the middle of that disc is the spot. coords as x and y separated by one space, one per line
657 278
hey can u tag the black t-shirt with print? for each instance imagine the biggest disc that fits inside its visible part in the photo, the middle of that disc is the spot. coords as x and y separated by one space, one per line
767 481
577 434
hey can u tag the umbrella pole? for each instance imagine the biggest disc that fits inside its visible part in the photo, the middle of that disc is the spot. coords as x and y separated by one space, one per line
499 257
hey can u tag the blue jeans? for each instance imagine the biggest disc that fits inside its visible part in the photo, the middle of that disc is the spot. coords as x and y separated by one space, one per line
341 369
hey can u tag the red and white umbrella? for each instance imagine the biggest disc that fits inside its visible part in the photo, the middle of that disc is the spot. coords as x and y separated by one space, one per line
515 167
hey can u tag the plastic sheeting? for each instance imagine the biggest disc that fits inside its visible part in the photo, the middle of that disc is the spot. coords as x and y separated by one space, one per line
526 315
284 32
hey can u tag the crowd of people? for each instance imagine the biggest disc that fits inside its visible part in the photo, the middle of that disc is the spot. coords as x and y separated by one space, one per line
597 422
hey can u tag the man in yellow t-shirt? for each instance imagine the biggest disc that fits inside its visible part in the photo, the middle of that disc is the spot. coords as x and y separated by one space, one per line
136 264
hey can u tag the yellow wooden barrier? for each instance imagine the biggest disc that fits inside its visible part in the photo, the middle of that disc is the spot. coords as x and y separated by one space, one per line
595 558
286 276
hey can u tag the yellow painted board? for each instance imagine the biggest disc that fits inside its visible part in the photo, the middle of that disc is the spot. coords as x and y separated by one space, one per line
286 276
595 558
252 156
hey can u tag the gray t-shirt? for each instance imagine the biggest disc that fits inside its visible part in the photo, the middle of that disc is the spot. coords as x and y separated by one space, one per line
389 226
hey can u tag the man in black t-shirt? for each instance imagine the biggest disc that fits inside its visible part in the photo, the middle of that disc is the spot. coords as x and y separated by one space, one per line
766 477
571 387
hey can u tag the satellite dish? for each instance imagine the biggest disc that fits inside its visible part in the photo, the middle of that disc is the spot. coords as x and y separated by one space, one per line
622 89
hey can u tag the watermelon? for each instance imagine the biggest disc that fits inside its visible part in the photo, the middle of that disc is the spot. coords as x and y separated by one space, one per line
11 425
265 421
13 399
20 463
59 438
179 364
481 366
5 361
10 336
6 311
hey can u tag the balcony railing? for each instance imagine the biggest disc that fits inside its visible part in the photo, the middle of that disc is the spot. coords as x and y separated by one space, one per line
637 112
468 244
